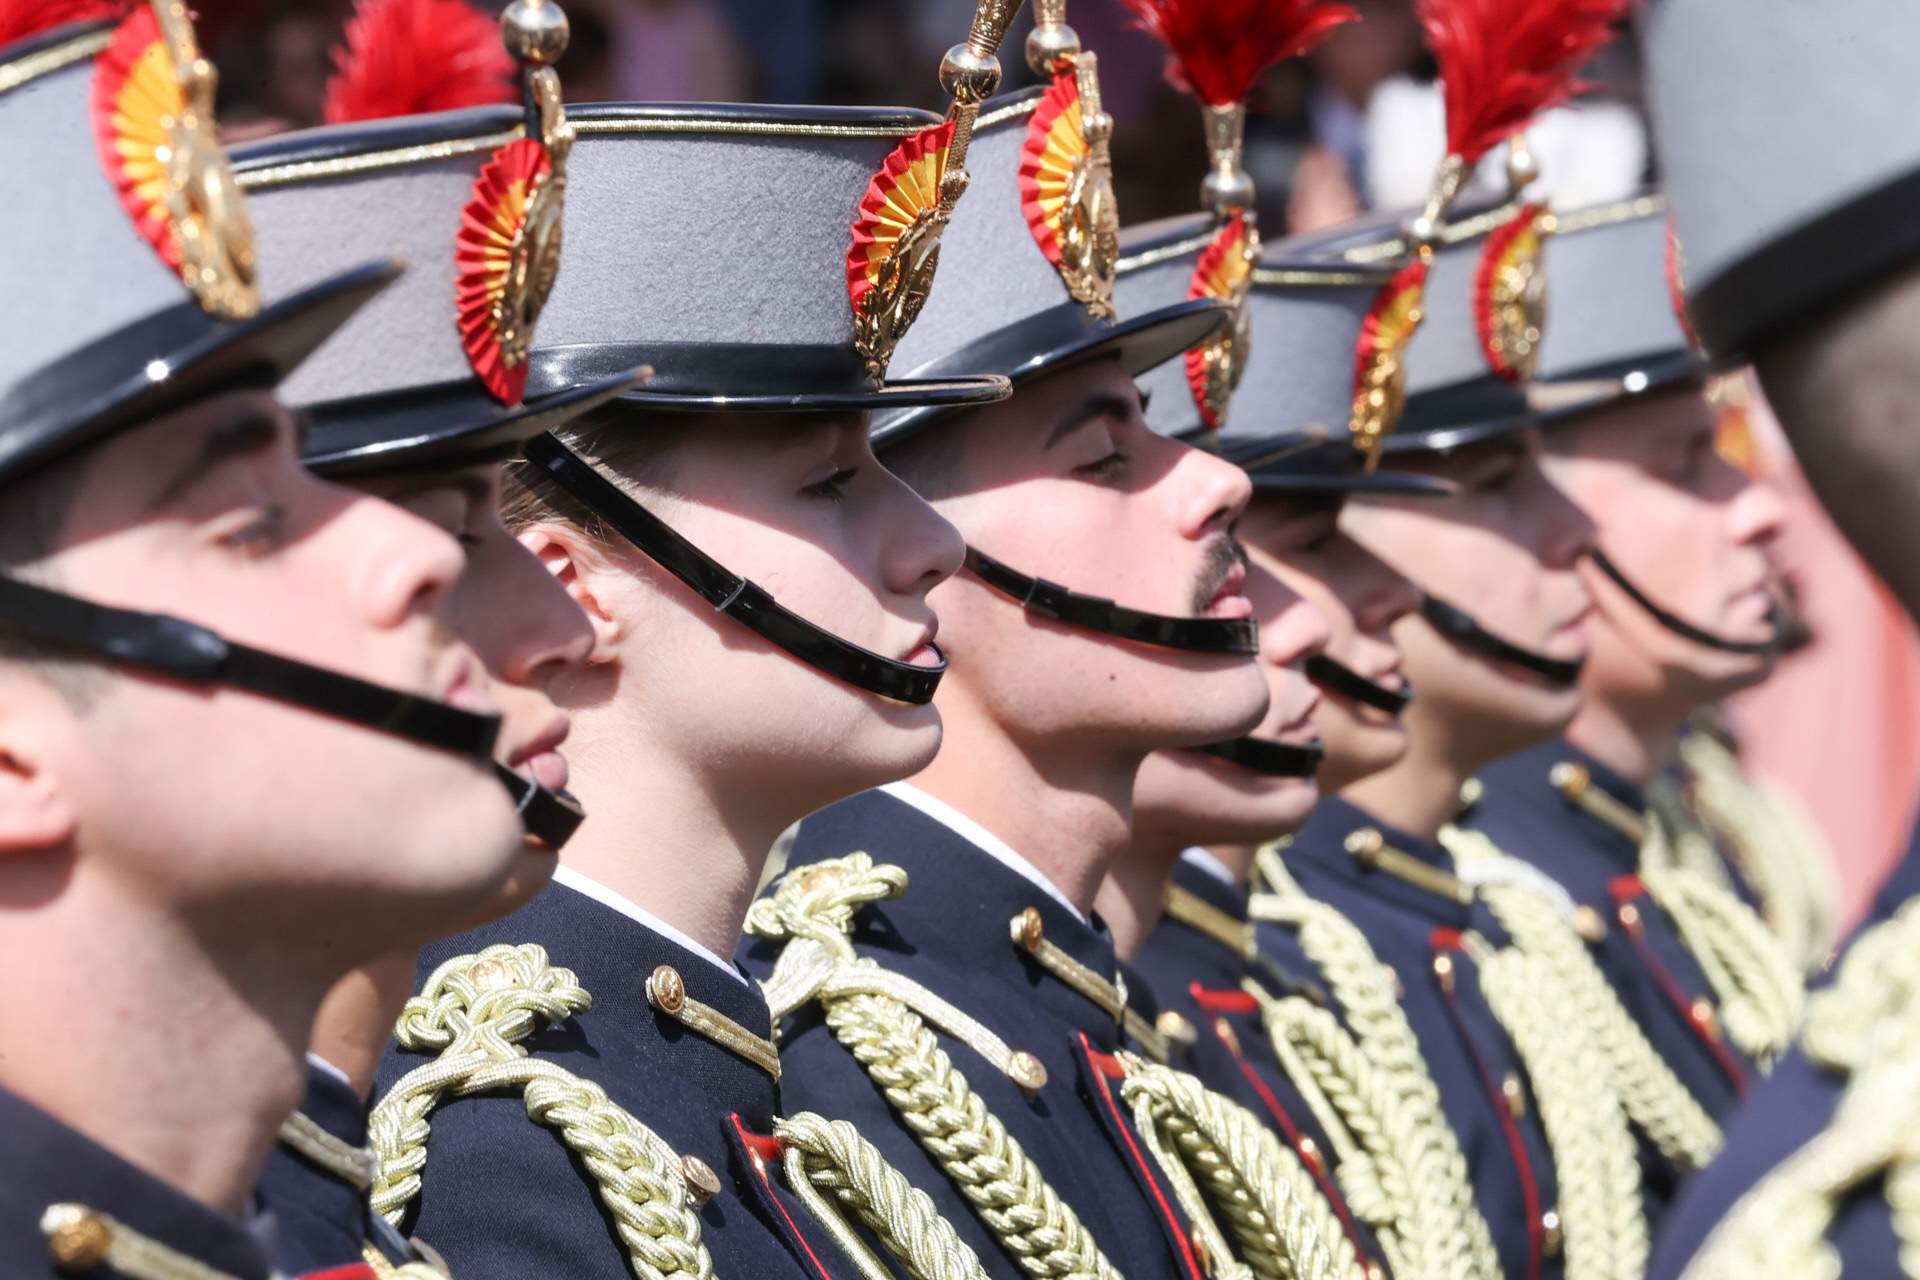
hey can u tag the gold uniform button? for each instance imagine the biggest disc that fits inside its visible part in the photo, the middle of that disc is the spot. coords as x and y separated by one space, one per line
1551 1236
1589 925
77 1238
1027 1071
1629 916
1515 1095
667 989
490 975
1228 1036
703 1184
1376 1272
1706 1017
1443 972
1310 1152
1029 930
1174 1027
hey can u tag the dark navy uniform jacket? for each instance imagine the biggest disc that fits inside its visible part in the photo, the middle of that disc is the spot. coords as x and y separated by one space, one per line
320 1218
504 1198
45 1163
950 932
1196 971
1657 978
1483 1091
1786 1111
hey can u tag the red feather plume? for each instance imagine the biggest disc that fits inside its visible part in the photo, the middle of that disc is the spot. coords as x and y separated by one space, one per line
20 19
1220 47
404 57
1502 62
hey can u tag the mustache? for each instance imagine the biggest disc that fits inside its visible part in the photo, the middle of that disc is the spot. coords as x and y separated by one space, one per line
1223 556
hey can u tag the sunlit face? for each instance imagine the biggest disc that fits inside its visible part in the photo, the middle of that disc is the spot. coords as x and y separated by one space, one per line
1686 527
1362 599
222 806
1506 550
1207 800
519 621
1066 481
798 505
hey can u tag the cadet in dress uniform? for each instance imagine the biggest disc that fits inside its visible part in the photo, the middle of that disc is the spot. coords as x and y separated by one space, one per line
408 402
157 527
1804 263
1683 616
589 1086
934 943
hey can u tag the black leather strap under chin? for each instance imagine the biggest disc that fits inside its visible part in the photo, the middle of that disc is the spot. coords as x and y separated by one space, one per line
1458 626
1337 677
1097 613
549 817
1275 759
184 651
738 598
1686 630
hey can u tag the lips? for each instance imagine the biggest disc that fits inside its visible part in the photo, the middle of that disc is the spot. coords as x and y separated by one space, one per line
460 688
541 760
1227 600
925 653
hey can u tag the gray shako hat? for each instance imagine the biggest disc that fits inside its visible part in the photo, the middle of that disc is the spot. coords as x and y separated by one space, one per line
1613 266
131 277
1785 134
136 254
432 373
758 259
1027 268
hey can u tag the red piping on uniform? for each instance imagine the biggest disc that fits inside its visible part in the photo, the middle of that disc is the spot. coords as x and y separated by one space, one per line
352 1271
1106 1067
1625 890
1214 1000
769 1149
1449 940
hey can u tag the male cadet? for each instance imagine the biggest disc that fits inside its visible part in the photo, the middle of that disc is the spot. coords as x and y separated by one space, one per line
183 603
934 942
1806 264
409 403
588 1087
1683 616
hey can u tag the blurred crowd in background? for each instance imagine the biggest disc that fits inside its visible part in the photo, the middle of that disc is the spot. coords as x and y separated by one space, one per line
1357 125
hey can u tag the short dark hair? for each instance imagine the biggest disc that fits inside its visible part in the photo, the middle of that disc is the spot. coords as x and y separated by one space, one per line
630 446
34 514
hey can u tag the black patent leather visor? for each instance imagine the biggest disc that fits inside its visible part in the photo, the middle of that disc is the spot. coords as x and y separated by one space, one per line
1459 626
737 597
185 651
1338 678
1273 759
1056 603
1777 622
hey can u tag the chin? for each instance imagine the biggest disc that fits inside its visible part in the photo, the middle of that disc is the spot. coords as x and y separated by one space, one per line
1225 704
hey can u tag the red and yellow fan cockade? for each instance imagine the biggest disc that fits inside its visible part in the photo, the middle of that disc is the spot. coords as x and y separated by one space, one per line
1503 62
1676 263
1054 156
487 254
1224 271
152 109
1379 365
896 243
1510 293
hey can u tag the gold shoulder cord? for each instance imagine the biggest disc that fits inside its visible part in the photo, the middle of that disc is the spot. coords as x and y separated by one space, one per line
1775 843
1365 989
476 1009
82 1239
1866 1028
1755 987
1654 1098
887 1022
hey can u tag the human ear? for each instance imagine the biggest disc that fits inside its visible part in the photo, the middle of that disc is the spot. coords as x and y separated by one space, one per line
36 812
580 569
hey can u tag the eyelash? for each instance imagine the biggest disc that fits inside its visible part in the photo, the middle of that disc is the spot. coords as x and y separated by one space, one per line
1105 468
264 531
1500 481
1319 543
834 487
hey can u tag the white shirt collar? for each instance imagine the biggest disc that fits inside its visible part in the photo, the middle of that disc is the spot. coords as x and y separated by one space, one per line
326 1068
1201 860
627 907
996 848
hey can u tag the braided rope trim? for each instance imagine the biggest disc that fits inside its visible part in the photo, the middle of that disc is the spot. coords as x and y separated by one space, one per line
1365 989
1776 844
1655 1099
1285 1228
81 1238
416 1270
472 1012
1866 1027
1594 1156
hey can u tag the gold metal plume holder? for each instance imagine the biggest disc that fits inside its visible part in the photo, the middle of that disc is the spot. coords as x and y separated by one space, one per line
536 32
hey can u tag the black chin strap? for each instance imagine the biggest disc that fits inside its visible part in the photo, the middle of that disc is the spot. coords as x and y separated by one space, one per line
1337 677
184 651
1097 613
1459 627
548 817
738 598
1275 759
1686 630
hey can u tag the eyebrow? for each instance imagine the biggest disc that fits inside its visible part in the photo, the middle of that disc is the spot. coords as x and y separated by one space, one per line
1099 405
477 489
255 431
